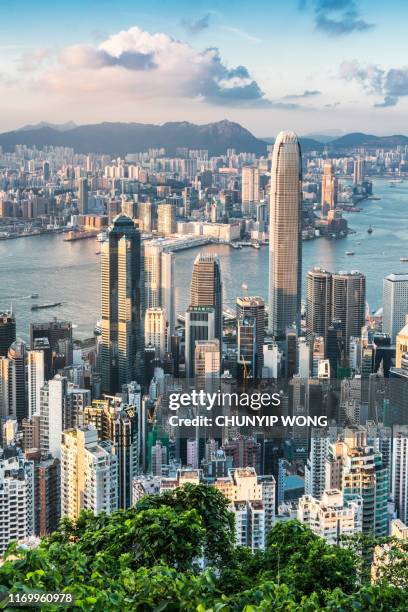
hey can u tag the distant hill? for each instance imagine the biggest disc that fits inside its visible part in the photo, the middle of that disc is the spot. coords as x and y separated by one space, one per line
60 127
307 144
358 139
122 138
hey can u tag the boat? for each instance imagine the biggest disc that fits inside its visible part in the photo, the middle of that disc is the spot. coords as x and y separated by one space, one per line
97 252
403 259
244 286
350 253
370 230
393 182
41 306
101 236
34 295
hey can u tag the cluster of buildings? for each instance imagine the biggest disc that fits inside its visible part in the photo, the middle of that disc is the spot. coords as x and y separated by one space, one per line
87 428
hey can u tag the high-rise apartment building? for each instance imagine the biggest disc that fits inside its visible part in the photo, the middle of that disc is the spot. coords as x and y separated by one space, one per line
122 341
36 379
16 500
315 469
254 307
349 303
206 288
332 516
318 302
399 482
285 240
17 380
395 304
359 171
166 219
250 190
53 401
89 473
7 332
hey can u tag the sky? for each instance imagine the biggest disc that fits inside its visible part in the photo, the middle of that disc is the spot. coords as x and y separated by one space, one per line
314 66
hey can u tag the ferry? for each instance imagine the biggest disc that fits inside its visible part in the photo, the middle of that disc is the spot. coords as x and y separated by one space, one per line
41 306
34 295
403 259
244 286
350 253
370 230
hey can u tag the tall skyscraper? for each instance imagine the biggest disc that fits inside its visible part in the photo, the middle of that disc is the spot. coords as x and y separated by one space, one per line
147 216
285 241
250 190
53 400
122 342
395 304
158 280
329 189
399 487
348 303
247 348
83 195
206 288
207 360
53 330
359 171
254 307
89 473
17 363
318 304
7 332
166 219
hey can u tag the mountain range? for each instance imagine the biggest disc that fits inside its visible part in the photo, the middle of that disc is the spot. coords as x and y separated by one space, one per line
119 139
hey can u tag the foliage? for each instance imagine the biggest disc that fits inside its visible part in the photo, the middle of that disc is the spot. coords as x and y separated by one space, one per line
146 559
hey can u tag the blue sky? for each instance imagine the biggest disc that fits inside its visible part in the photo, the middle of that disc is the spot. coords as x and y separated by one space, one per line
308 65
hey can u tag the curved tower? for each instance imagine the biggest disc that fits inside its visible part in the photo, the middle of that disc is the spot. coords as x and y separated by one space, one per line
285 235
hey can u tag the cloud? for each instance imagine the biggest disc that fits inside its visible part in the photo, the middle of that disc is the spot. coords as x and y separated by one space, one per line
241 34
133 64
197 26
336 17
390 84
32 60
308 93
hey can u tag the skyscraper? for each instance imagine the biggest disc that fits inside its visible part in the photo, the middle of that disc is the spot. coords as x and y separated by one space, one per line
166 219
359 170
156 330
122 342
207 360
285 241
348 303
158 280
17 363
254 307
247 349
200 325
250 190
7 332
35 366
329 189
395 304
318 304
206 288
83 195
400 471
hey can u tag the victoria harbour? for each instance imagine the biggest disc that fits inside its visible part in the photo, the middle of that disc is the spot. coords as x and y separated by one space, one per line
70 272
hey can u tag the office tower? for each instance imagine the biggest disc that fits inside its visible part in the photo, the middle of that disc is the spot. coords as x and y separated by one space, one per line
285 241
129 208
35 367
357 469
5 388
254 307
398 392
54 330
348 304
147 217
304 358
156 330
16 500
122 342
329 189
399 483
253 504
207 360
166 219
291 352
76 402
272 360
43 345
46 171
359 171
158 280
250 190
318 302
318 351
83 196
401 344
158 458
335 347
395 304
53 400
199 325
7 332
89 473
332 516
206 288
247 348
118 422
17 362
